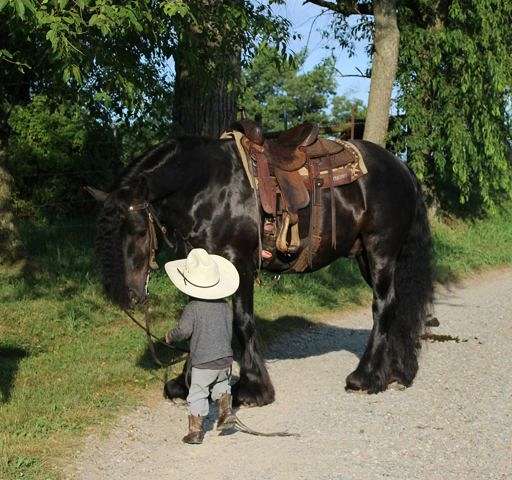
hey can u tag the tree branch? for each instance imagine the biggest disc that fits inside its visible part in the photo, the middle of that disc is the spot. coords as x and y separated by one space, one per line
344 7
360 75
354 75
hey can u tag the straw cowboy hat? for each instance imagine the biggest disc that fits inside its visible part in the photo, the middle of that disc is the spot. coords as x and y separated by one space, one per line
204 276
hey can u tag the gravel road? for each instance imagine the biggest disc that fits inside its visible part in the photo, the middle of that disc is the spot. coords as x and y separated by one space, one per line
455 422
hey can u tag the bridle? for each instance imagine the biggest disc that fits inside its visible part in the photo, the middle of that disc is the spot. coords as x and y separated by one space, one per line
152 221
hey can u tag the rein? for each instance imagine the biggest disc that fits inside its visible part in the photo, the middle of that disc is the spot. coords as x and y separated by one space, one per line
152 340
153 247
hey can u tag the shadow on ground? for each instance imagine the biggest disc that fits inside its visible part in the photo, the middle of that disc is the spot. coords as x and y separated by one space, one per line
287 337
10 358
311 339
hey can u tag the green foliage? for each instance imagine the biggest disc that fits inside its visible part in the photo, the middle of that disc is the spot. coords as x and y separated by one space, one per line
63 23
341 110
47 141
455 78
108 57
273 85
72 73
454 94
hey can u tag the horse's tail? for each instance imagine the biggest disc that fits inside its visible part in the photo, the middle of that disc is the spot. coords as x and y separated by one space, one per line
414 278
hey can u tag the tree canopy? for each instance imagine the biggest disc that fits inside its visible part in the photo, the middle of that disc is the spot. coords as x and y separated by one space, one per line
111 61
276 89
455 86
71 68
454 91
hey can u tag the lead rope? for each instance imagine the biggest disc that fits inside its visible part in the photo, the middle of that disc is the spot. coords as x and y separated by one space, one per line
245 429
152 339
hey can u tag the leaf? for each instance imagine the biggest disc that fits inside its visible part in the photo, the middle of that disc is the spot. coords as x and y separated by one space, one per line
3 3
51 35
176 7
133 20
93 20
66 74
20 8
76 73
62 4
29 5
5 53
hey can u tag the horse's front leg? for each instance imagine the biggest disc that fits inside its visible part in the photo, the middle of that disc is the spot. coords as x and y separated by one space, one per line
254 386
177 388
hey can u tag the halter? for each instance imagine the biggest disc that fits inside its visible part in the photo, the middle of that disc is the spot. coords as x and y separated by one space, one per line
153 240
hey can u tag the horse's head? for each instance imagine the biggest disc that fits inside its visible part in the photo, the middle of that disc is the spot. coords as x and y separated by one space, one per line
125 242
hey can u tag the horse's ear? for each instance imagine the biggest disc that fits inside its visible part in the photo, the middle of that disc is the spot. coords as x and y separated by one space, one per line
98 195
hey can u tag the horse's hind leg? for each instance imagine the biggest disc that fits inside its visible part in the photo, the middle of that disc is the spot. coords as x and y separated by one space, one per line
374 371
254 386
401 279
364 267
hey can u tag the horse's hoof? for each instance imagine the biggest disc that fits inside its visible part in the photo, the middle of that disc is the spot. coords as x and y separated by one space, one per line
252 394
175 390
368 382
356 381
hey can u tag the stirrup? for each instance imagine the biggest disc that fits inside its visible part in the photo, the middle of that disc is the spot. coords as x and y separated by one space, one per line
281 243
295 240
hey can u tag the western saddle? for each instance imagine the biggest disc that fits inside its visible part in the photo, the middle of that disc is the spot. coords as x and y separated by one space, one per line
291 172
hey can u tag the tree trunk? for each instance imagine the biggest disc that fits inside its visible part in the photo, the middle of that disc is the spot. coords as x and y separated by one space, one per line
204 106
384 66
10 243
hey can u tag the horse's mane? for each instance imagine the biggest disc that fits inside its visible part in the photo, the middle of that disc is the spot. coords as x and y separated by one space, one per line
109 235
157 156
109 252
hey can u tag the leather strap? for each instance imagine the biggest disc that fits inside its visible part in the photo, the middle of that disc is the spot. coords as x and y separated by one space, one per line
266 183
333 206
305 258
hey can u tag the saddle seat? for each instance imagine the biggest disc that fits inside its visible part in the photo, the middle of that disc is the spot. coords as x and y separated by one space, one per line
300 136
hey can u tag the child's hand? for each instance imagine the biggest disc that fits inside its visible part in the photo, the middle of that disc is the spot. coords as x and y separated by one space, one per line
168 338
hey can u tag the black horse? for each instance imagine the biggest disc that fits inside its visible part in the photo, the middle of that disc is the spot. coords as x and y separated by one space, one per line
198 188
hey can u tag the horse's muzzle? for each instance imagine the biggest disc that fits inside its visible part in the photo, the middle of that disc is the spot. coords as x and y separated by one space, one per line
137 298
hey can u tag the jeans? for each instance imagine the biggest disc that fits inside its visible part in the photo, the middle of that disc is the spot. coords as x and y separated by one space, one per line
202 381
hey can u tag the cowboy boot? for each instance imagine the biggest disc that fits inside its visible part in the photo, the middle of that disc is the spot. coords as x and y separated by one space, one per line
227 418
195 433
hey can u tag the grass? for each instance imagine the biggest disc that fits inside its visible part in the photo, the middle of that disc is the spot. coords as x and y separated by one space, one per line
70 361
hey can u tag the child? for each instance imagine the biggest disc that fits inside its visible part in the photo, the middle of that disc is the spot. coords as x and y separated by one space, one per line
208 322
